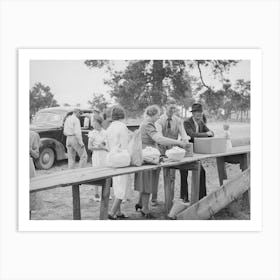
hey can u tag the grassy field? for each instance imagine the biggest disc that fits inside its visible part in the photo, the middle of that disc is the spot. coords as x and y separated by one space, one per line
57 203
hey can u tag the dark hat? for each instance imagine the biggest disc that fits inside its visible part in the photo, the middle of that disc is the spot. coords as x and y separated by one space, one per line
196 107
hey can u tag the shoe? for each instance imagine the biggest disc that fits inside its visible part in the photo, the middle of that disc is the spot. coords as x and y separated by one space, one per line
138 206
147 215
154 203
111 217
122 216
186 200
171 218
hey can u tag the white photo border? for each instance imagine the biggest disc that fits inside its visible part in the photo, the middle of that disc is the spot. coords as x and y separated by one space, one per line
24 58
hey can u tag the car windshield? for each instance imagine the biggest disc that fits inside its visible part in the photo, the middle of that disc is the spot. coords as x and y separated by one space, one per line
48 118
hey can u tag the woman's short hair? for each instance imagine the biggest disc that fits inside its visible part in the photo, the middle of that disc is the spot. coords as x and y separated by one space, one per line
152 110
117 113
98 119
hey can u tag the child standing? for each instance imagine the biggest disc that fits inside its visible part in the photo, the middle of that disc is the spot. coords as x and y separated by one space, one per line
227 136
97 144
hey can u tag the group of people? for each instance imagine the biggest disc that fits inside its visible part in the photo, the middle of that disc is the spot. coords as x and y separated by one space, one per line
161 131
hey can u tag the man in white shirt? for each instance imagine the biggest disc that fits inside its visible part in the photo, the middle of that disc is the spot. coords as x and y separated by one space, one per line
171 126
74 140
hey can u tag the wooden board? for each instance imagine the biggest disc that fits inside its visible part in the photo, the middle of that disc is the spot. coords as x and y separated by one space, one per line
217 200
90 174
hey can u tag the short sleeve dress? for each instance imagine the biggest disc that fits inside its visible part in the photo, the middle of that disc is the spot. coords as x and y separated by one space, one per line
146 180
98 156
117 136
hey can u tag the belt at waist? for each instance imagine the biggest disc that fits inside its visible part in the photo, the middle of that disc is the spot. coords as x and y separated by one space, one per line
70 135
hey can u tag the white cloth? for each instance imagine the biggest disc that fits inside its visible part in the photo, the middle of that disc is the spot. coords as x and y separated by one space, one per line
72 127
117 136
96 138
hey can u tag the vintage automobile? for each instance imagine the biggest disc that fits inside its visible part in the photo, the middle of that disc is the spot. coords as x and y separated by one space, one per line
48 123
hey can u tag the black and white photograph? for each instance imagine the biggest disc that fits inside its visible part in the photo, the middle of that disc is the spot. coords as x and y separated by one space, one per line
139 139
149 139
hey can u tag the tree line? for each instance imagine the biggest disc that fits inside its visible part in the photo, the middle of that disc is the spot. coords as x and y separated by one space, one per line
146 82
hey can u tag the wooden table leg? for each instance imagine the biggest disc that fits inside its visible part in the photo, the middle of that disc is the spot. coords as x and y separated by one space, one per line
244 161
195 183
221 169
167 189
105 199
172 184
76 202
244 164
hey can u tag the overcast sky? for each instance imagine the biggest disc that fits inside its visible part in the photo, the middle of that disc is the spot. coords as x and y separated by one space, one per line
71 81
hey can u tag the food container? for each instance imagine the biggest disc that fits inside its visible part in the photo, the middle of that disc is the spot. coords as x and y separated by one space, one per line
189 150
175 154
151 155
211 145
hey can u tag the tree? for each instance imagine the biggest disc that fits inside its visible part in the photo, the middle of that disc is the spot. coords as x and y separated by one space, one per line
218 68
41 97
228 99
98 101
243 88
213 100
146 82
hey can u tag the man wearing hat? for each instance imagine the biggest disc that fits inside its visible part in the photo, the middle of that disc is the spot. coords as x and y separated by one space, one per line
74 140
195 127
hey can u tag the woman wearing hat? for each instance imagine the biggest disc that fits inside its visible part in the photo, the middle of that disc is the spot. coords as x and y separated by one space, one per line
195 126
146 181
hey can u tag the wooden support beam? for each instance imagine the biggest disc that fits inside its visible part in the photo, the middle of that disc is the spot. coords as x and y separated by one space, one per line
195 186
105 199
222 173
217 200
244 161
167 189
76 202
244 164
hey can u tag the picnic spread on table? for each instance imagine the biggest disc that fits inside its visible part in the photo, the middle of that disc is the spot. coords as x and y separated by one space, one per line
162 142
102 176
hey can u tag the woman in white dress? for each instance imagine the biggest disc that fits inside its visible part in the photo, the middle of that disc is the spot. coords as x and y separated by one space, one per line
117 137
97 144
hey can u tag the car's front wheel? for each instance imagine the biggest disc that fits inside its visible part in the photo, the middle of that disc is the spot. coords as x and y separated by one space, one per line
46 158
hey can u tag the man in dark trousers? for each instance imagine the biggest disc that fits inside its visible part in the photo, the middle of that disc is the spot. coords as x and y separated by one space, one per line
195 127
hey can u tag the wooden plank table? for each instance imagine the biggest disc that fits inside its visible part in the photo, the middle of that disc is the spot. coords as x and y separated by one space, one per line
103 176
239 155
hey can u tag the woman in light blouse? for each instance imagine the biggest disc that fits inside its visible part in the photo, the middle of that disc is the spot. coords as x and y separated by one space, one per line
145 180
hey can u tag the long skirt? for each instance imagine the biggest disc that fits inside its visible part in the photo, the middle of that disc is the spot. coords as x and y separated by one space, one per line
121 186
145 181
